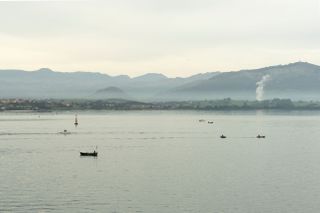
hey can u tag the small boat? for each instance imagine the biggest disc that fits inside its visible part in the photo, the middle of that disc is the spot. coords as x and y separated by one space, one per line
94 154
65 132
261 136
76 120
202 120
210 122
223 136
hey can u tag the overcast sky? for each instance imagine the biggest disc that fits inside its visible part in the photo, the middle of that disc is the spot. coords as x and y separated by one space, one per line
173 37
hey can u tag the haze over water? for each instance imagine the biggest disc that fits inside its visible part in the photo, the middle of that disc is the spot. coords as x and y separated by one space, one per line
156 161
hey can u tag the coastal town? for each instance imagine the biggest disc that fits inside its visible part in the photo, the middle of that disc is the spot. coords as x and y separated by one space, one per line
119 104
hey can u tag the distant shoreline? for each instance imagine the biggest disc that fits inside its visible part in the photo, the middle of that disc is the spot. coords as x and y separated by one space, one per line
227 104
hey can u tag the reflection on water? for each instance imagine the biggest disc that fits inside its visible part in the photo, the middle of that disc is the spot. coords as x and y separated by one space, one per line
160 162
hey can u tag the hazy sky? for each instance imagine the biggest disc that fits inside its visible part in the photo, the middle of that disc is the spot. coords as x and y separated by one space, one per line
174 37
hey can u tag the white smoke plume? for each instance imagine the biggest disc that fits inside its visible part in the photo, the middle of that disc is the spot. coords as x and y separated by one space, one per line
260 86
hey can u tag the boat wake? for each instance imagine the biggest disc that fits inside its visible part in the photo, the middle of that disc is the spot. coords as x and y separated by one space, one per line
33 133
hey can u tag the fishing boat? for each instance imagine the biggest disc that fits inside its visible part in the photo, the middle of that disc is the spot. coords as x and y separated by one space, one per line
94 154
223 136
76 120
261 136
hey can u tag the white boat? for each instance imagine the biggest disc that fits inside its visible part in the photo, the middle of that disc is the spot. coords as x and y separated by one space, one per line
65 132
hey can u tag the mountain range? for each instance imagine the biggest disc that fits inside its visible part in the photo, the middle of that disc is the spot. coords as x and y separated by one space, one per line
298 81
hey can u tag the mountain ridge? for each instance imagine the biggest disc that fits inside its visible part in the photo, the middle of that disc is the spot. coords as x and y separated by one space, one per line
284 81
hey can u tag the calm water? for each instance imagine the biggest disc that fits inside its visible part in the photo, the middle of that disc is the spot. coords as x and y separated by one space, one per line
160 162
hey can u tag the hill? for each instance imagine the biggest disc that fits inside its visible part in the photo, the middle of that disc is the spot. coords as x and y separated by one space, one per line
110 93
299 80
